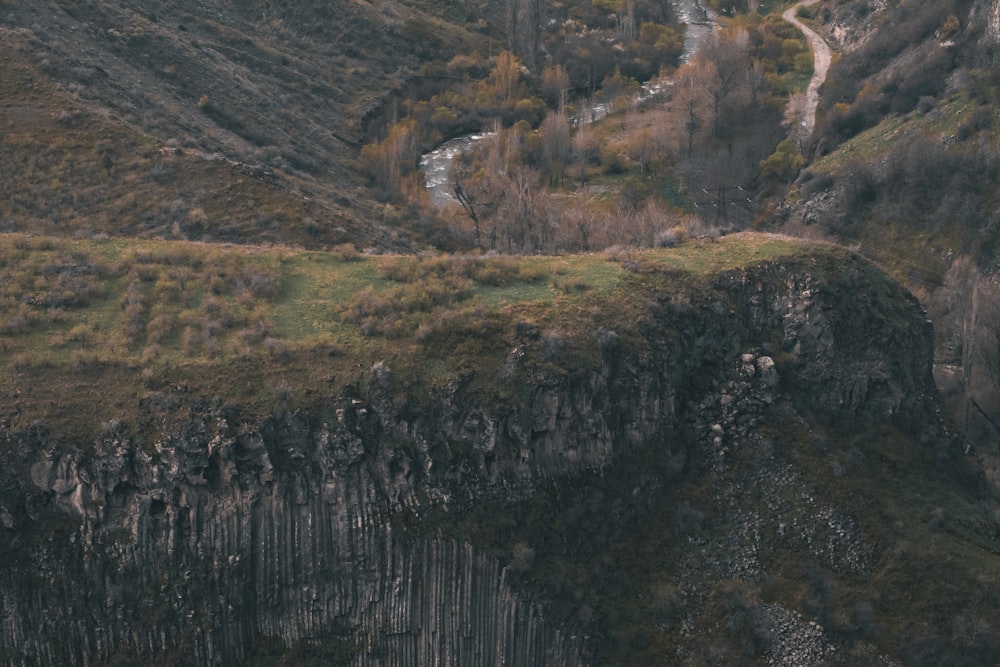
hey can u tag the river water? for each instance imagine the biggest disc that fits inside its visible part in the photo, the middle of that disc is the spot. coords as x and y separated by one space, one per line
436 164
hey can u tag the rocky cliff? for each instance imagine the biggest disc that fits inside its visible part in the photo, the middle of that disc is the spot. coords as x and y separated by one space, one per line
337 535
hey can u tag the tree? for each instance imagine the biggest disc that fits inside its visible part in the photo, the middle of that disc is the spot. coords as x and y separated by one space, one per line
555 85
474 192
581 224
729 54
496 193
389 160
505 75
524 27
692 99
519 215
784 164
556 145
585 152
616 88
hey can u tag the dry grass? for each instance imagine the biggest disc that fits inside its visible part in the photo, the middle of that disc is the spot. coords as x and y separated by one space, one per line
114 320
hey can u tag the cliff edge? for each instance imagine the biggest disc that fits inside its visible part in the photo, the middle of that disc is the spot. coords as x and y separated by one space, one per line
687 482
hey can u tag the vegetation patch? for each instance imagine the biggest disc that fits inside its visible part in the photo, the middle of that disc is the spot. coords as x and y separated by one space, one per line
114 325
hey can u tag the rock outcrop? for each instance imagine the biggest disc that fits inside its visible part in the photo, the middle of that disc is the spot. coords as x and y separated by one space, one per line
229 537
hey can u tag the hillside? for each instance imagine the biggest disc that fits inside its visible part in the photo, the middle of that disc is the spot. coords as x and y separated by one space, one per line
903 166
702 452
226 121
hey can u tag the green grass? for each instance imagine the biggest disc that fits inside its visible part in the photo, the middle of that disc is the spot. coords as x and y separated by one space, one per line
704 258
875 142
107 323
315 287
863 147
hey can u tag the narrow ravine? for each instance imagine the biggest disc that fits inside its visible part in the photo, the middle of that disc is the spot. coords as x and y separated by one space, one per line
821 65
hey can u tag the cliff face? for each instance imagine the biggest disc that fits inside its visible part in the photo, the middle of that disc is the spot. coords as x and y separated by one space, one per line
228 538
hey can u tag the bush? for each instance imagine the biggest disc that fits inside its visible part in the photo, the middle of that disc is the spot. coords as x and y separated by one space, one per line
669 238
611 162
346 252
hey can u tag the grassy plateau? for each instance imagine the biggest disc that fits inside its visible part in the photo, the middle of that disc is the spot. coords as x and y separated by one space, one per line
92 329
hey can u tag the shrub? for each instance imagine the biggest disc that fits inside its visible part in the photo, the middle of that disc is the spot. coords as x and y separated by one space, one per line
260 284
611 162
669 238
19 321
496 271
345 252
82 334
159 328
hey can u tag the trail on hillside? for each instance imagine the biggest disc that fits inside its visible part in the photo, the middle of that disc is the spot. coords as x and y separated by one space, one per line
821 65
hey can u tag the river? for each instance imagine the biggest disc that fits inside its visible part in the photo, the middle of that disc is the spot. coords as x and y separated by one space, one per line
437 163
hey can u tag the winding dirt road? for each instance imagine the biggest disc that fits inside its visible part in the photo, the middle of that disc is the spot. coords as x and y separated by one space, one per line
821 65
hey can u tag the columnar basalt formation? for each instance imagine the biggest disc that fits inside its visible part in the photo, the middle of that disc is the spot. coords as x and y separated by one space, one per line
230 536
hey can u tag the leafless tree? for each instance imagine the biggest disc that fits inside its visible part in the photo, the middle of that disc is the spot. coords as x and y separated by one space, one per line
505 75
472 188
692 98
730 87
580 225
555 85
524 25
556 145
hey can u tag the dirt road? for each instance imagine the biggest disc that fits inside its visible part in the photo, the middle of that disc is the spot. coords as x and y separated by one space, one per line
821 65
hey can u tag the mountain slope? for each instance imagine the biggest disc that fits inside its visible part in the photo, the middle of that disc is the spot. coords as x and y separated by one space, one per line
233 121
903 165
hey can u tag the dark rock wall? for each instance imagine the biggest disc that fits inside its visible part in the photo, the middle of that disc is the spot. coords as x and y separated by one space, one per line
200 546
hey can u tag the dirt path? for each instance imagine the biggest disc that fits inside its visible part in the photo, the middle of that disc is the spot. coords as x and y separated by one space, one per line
821 65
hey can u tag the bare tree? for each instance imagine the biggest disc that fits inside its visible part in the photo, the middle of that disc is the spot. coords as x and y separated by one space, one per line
556 145
392 158
524 26
472 188
728 88
555 85
585 149
520 212
692 99
580 225
506 74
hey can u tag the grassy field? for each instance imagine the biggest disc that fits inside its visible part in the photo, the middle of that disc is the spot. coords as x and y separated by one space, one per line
113 324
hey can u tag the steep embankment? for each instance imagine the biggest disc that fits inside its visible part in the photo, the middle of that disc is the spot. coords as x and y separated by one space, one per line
654 481
230 121
905 169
